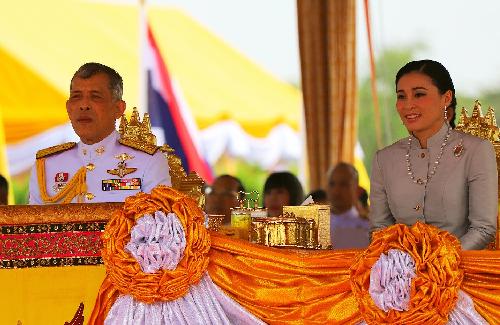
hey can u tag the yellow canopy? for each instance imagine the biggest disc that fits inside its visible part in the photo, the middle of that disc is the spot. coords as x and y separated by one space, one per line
42 43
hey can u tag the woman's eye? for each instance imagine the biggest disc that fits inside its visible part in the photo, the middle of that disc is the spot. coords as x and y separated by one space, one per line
400 96
419 94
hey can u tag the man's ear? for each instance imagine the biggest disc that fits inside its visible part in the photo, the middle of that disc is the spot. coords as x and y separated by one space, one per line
121 106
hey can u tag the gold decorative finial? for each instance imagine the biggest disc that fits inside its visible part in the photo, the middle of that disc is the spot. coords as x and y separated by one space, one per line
136 131
490 117
476 111
137 134
462 118
483 127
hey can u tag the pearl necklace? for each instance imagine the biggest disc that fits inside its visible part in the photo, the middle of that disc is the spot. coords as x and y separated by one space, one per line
435 165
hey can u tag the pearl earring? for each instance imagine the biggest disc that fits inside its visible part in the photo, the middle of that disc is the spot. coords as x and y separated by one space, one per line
445 114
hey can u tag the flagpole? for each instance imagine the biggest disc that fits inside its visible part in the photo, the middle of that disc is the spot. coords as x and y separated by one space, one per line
142 105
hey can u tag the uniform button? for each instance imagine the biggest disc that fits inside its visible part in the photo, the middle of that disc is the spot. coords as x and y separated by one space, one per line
90 166
422 155
89 196
417 207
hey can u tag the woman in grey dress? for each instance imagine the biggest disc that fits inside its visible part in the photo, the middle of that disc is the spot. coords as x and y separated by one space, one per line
436 175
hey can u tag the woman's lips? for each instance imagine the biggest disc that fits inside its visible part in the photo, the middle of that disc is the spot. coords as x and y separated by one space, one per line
412 117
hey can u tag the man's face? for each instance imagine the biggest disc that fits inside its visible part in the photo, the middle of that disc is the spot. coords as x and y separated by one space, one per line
92 108
222 196
342 189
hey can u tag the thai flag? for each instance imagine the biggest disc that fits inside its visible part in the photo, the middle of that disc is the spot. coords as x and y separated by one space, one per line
165 111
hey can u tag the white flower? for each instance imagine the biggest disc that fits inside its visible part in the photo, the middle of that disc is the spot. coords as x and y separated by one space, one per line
390 280
157 242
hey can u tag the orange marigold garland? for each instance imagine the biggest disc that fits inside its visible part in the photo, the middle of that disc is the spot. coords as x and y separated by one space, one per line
125 272
434 290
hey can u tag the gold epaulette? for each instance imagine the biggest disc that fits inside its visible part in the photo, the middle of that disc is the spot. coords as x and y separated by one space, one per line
141 146
54 149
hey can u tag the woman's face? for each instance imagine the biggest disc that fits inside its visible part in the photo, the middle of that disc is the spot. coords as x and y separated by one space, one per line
420 105
275 199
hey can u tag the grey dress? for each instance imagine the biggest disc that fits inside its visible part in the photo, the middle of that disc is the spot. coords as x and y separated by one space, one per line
461 197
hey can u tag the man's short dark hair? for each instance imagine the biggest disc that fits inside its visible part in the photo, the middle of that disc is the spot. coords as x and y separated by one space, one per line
92 68
241 188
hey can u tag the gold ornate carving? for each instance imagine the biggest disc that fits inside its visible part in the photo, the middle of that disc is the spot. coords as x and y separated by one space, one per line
320 214
484 127
136 131
287 231
57 213
54 149
138 135
481 126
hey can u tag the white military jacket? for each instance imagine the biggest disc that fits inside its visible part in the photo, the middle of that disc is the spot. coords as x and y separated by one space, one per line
105 183
461 197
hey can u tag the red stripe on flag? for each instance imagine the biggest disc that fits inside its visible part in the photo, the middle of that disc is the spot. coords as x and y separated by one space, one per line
195 161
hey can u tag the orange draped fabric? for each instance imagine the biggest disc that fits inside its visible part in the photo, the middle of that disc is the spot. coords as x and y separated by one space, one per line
291 286
124 274
283 286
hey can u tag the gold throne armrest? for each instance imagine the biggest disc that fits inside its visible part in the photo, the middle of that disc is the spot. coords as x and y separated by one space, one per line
137 131
484 127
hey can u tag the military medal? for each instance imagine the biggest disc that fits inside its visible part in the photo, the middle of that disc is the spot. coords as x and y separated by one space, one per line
60 181
122 169
121 184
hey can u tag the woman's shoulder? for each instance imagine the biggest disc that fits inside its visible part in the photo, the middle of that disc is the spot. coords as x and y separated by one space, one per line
400 145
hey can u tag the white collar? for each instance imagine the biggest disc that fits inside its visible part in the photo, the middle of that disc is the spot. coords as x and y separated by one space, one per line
99 149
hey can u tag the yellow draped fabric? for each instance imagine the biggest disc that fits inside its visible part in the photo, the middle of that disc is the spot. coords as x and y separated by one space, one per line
47 295
38 58
4 166
327 40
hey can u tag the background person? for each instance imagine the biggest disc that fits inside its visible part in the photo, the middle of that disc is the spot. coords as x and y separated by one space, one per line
347 228
222 196
280 189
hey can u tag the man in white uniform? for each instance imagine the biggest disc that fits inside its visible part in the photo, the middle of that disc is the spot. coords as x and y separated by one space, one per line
101 167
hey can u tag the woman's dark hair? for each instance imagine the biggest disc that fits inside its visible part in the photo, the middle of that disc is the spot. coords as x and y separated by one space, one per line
439 75
287 181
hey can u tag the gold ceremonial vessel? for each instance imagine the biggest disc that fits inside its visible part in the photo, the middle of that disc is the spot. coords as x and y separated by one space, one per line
286 231
241 217
300 226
